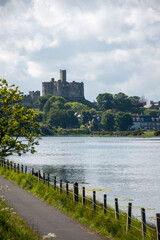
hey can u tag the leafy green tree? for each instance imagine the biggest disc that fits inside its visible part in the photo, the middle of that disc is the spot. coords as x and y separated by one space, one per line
76 106
42 100
135 99
105 101
62 118
51 103
122 102
123 121
107 121
85 117
15 121
151 112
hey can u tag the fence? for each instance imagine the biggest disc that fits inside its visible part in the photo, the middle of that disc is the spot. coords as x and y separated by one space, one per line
52 180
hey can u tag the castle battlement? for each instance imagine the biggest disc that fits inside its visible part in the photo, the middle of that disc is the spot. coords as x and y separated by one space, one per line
63 88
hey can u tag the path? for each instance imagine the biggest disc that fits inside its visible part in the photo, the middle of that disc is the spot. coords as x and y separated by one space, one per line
43 217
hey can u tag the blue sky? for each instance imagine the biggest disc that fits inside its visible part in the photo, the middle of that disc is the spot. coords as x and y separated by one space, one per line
110 45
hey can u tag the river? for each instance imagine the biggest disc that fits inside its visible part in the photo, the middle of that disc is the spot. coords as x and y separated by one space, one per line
127 168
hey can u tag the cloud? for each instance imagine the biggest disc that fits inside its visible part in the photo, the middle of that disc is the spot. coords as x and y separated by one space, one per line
110 45
35 69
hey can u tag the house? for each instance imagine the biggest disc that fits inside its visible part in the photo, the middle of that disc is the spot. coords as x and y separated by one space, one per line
146 122
153 105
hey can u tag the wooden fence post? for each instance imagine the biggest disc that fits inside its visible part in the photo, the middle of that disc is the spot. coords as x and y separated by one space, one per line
75 192
158 225
83 196
39 175
143 215
25 169
11 165
60 187
105 204
14 167
67 189
48 180
18 167
43 177
8 164
54 183
22 168
129 215
32 171
94 201
116 209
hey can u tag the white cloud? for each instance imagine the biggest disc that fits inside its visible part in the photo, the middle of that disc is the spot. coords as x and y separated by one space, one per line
35 69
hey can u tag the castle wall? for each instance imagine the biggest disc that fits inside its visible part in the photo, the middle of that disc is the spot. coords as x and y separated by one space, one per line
63 88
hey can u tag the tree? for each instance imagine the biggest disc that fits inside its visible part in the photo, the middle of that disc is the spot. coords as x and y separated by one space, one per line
15 121
62 118
76 106
122 102
123 121
51 103
42 100
151 112
105 101
85 117
107 121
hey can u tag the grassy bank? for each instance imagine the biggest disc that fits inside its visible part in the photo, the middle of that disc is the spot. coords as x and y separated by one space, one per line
105 225
13 227
86 133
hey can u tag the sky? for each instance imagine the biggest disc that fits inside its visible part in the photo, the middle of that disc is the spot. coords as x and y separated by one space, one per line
110 45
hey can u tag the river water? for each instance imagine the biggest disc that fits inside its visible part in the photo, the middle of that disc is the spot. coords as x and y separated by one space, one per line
127 168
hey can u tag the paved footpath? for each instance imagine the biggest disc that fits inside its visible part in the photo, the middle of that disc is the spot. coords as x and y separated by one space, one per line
43 217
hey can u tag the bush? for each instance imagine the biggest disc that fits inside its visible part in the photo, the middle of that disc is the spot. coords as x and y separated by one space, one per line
157 133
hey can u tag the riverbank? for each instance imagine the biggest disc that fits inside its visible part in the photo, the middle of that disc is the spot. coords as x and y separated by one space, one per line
79 133
104 224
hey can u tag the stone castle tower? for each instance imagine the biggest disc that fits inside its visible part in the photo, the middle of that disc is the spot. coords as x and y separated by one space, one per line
63 88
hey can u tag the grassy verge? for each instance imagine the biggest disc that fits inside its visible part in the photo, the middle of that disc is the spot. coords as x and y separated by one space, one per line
105 225
13 227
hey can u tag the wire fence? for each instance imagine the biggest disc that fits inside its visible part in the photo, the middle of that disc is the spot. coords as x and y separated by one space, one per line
127 221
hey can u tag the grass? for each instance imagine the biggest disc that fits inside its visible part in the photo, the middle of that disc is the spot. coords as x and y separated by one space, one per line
105 225
12 226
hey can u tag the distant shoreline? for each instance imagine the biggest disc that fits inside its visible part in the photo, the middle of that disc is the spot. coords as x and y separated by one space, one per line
120 134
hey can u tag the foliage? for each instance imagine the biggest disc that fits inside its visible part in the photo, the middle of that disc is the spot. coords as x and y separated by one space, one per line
54 102
76 106
105 101
15 121
46 129
123 121
42 100
122 102
85 102
12 227
107 121
62 118
157 133
151 112
138 132
85 117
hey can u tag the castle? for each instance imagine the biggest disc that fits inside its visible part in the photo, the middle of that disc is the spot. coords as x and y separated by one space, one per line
63 88
29 100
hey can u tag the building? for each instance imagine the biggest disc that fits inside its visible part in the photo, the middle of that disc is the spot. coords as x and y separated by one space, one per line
30 99
63 88
153 105
146 122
